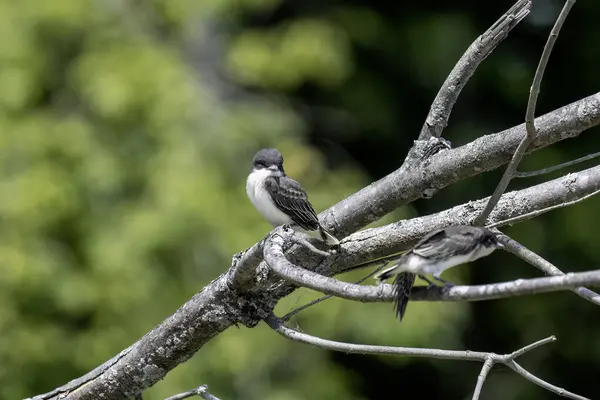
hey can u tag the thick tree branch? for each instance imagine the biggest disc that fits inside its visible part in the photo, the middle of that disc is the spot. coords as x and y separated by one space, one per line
531 132
507 359
175 340
438 116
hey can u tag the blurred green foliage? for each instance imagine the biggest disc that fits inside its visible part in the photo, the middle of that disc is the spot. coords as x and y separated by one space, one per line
123 157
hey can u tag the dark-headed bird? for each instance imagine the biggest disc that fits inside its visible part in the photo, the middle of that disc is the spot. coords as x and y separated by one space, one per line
435 253
280 199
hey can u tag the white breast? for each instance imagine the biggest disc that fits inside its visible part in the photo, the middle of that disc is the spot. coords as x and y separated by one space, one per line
261 199
420 265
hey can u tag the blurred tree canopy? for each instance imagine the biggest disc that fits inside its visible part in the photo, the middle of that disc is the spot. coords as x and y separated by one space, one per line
127 133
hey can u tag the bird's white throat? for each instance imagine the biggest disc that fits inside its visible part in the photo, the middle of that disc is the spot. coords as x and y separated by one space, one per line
261 199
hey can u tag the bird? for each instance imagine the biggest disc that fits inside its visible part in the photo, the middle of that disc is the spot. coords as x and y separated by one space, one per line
280 199
433 254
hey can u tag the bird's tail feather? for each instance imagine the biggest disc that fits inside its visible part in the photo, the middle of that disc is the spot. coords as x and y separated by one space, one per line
385 274
403 285
328 238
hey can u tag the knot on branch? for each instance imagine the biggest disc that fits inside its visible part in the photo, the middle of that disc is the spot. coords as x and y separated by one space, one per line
422 150
255 307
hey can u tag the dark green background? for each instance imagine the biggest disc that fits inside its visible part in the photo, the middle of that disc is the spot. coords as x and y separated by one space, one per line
127 130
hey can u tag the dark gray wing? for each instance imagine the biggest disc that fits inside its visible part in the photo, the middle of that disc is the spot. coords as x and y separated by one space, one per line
403 285
289 197
448 242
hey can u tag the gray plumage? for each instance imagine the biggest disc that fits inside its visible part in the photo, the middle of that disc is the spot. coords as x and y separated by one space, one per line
280 199
436 252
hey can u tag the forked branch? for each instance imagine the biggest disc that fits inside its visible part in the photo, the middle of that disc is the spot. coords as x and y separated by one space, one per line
506 359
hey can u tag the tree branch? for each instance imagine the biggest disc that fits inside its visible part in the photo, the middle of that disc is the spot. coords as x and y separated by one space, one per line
201 391
485 370
533 214
374 243
507 359
531 133
302 277
540 263
438 116
553 168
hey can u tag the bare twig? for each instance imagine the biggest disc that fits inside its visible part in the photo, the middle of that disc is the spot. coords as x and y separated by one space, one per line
485 370
549 269
507 359
541 68
543 171
535 213
201 391
276 259
542 383
529 116
438 116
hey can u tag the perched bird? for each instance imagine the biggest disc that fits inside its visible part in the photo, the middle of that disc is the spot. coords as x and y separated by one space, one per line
435 253
280 199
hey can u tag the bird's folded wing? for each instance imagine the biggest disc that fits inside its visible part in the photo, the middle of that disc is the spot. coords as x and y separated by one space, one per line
289 197
441 245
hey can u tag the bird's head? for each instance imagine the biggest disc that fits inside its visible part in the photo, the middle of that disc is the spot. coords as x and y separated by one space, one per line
270 160
490 240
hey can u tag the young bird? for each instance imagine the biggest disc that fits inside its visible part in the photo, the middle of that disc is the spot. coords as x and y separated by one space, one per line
280 199
435 253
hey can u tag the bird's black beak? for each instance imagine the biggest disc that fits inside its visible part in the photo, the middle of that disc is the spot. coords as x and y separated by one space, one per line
273 168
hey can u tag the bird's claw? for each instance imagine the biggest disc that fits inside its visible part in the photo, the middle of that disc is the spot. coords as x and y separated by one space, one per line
445 282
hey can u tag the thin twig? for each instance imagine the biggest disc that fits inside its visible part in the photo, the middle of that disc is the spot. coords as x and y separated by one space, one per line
276 260
533 214
529 117
201 391
545 266
485 370
556 167
542 383
529 347
277 325
438 116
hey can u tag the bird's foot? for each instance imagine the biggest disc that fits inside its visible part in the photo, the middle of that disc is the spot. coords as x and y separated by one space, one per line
445 282
430 284
311 247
